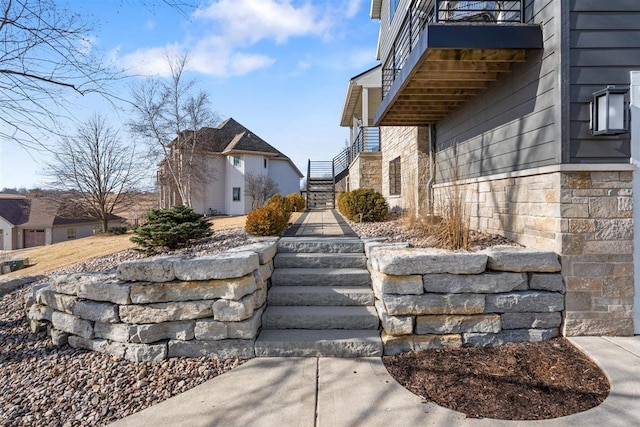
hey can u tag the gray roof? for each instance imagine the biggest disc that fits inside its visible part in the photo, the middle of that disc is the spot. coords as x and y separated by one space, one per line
14 209
232 136
43 212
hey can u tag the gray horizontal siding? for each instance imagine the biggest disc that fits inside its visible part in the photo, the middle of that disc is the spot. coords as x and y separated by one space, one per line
605 47
512 125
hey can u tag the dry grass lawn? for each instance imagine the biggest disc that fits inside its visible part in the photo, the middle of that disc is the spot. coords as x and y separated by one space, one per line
47 258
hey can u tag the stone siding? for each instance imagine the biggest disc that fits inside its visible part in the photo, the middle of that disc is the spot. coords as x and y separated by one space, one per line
366 171
410 144
586 217
429 298
159 308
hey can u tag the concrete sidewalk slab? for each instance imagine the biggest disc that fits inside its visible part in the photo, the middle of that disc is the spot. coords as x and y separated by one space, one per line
262 392
360 392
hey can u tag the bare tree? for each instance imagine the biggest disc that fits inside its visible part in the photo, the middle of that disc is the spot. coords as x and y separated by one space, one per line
95 165
47 57
168 116
260 188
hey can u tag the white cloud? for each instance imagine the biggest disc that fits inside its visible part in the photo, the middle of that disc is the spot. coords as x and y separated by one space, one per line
353 7
249 21
233 27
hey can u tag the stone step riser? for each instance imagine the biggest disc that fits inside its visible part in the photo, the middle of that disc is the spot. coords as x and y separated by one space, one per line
314 343
326 246
320 277
324 296
319 322
320 261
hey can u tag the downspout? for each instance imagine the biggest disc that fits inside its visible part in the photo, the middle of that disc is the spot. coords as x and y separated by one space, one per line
432 172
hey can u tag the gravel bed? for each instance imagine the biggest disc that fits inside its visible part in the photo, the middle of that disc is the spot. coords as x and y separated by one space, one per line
44 385
397 229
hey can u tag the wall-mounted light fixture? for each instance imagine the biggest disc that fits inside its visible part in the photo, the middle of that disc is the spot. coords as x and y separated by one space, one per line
609 114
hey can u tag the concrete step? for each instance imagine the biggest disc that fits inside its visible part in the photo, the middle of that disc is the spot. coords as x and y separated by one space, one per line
320 295
326 317
318 343
317 260
320 245
320 277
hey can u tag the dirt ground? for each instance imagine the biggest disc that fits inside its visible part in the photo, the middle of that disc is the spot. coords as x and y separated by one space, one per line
527 381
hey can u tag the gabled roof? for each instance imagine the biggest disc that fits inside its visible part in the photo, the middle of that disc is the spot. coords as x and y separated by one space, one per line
14 208
232 136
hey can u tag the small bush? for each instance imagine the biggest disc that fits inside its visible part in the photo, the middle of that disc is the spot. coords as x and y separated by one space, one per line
364 205
296 201
170 228
269 220
281 204
117 230
343 199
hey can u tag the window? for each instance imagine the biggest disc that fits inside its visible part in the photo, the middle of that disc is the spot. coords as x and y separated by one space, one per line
264 162
71 233
236 161
236 194
393 5
395 177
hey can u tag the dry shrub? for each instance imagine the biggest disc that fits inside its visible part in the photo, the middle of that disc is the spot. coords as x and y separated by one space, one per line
448 228
296 201
452 231
363 205
266 221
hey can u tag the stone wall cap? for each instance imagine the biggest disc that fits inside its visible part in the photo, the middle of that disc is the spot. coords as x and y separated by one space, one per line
517 259
222 265
407 261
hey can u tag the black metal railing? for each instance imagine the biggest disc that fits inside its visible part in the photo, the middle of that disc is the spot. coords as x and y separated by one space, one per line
424 12
367 140
321 189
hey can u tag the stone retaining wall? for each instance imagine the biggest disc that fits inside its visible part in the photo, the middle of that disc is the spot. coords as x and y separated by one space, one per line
430 298
163 307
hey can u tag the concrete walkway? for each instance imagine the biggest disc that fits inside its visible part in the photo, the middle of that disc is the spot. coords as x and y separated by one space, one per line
359 392
331 392
320 223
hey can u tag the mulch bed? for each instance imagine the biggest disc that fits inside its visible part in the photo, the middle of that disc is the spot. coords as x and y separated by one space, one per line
527 381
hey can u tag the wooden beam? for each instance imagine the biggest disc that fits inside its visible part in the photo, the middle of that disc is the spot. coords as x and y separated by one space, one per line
466 66
427 75
485 55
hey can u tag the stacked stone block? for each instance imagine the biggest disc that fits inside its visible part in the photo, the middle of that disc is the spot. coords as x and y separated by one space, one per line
430 298
163 307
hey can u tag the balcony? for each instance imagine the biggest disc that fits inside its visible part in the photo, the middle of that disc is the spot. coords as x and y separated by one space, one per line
446 52
368 140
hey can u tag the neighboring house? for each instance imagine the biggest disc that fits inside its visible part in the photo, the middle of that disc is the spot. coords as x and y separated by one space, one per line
230 152
362 157
28 222
495 98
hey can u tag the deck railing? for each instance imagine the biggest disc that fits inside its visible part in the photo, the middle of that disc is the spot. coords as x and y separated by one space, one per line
368 140
424 12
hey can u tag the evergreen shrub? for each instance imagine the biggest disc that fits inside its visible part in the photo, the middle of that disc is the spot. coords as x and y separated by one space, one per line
364 205
171 228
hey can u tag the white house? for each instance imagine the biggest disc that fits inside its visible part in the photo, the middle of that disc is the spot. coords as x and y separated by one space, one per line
231 153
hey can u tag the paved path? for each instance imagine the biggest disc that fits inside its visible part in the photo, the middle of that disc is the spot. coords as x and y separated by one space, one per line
320 223
330 392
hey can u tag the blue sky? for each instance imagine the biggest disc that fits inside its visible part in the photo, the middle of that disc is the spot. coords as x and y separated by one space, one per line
279 67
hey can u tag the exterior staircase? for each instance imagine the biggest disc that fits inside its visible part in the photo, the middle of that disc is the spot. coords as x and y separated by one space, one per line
320 303
321 190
